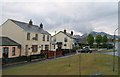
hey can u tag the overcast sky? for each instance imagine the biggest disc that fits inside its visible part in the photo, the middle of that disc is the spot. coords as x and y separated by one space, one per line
81 17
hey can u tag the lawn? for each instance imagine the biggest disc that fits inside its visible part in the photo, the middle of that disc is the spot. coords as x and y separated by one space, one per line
82 64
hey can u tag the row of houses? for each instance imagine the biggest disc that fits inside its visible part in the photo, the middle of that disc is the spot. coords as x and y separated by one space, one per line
21 38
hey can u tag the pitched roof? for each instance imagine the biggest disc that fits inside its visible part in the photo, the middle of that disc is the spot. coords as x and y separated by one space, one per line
77 37
5 41
67 34
27 27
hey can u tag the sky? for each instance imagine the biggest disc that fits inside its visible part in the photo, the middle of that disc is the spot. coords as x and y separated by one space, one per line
56 15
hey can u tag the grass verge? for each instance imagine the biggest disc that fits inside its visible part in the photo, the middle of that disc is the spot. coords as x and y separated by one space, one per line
83 64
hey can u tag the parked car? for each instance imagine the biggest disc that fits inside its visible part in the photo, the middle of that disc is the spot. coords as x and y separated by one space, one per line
86 50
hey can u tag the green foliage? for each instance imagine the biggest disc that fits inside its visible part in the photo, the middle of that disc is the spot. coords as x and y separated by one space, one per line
98 39
104 39
90 39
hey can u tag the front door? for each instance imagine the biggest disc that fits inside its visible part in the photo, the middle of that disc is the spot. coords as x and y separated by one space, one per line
5 52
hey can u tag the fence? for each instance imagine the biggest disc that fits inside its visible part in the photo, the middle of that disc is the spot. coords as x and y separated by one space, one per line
42 56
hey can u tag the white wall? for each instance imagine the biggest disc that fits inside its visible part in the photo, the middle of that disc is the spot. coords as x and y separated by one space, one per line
60 38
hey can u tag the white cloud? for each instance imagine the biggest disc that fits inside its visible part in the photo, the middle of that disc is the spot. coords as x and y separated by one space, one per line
78 16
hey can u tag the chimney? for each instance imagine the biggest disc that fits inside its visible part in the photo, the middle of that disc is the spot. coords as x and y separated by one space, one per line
41 25
64 30
30 22
71 32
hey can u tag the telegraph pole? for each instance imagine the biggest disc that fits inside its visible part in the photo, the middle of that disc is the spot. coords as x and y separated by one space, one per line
114 50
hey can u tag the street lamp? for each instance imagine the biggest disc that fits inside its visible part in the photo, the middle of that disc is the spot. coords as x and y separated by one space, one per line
114 50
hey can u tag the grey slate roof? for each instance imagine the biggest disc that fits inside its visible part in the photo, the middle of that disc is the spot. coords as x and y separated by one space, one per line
5 41
69 35
77 37
29 28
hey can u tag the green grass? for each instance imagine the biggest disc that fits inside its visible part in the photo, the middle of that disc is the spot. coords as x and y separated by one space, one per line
89 64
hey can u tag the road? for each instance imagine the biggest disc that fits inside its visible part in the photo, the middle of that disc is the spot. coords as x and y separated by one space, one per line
110 53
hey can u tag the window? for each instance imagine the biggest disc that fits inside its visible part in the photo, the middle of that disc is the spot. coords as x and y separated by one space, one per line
46 47
54 39
28 36
65 39
41 47
26 49
43 37
54 46
34 48
36 36
5 51
47 37
13 51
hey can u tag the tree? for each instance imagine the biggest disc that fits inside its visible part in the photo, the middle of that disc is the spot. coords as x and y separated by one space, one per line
104 40
90 39
98 40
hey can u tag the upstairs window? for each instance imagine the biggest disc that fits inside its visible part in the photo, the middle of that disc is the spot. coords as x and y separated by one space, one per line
43 37
54 39
28 36
65 39
36 36
47 37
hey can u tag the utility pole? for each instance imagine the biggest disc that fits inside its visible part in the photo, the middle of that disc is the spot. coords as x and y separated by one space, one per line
114 50
79 55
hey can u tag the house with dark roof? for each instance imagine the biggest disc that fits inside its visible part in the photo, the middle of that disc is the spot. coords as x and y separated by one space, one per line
62 40
9 48
32 38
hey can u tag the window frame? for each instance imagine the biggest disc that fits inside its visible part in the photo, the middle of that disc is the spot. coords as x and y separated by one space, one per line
46 47
48 38
28 36
36 36
34 48
43 37
13 53
65 39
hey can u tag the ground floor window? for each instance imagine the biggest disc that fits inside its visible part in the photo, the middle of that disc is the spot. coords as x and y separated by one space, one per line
5 51
26 49
13 51
34 48
46 47
54 46
41 47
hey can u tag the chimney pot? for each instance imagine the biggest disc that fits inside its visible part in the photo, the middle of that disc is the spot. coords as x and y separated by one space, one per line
71 32
41 25
30 22
65 31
